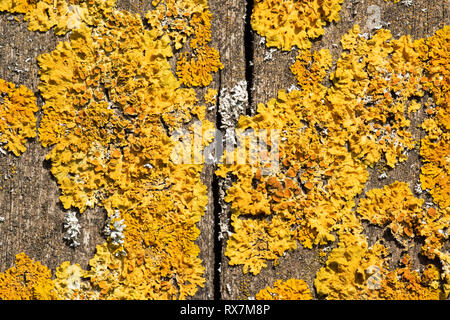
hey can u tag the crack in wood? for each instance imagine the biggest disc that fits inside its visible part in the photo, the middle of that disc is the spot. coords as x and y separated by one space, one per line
249 55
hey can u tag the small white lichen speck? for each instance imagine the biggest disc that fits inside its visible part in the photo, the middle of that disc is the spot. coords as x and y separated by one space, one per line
72 227
407 3
418 188
382 176
233 103
114 229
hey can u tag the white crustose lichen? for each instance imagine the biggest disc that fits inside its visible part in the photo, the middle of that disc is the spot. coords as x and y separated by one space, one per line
73 227
114 230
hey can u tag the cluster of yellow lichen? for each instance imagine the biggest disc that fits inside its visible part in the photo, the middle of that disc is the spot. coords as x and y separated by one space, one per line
311 68
30 280
291 289
356 271
406 284
330 136
352 269
371 100
435 147
181 20
112 101
288 23
395 206
62 15
111 106
27 280
258 241
17 119
108 94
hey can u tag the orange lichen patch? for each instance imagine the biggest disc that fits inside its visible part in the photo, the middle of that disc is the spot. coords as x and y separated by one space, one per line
291 289
111 104
17 119
63 15
257 241
197 70
181 19
406 284
435 147
393 205
292 23
27 280
311 68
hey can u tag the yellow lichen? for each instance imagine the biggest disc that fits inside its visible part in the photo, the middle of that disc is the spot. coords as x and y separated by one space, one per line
27 280
374 80
288 23
69 282
395 206
435 147
352 269
405 284
310 68
330 135
257 241
181 19
17 117
62 15
196 71
291 289
356 271
211 96
434 229
111 105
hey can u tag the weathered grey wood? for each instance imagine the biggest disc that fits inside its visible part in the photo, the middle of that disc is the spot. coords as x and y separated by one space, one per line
228 37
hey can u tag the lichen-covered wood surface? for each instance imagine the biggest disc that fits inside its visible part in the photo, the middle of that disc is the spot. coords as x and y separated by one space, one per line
267 76
33 215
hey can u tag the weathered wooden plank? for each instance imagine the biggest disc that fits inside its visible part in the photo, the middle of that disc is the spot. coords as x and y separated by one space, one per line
33 215
271 73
